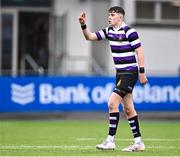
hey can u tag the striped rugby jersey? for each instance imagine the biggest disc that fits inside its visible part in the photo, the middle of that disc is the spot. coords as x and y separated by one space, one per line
123 42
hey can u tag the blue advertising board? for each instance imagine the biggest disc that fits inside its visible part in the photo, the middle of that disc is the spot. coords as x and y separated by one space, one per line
21 94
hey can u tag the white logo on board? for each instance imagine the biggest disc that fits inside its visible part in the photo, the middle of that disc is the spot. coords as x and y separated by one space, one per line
22 94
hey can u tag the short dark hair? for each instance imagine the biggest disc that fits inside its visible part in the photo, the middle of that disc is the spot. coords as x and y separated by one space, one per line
117 9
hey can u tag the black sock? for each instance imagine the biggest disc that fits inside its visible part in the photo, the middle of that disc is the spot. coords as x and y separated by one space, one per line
134 124
113 123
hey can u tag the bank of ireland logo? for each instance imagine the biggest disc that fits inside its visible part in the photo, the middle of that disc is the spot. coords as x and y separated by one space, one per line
22 94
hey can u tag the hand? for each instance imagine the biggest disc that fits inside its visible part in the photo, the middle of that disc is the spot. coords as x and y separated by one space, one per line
82 18
143 79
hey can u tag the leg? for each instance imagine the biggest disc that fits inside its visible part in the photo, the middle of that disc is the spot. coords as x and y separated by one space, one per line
132 117
128 106
113 106
113 103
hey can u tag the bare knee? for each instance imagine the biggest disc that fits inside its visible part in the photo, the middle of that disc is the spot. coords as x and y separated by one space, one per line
113 103
113 107
129 111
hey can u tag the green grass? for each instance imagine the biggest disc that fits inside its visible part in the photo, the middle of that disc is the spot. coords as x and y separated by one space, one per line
79 138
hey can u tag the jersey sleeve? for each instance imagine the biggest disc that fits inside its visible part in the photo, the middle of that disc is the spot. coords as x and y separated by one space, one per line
102 34
133 38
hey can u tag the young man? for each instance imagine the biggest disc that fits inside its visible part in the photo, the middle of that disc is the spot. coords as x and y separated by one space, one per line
124 42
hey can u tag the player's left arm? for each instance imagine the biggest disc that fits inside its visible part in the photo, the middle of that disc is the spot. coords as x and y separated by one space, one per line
140 58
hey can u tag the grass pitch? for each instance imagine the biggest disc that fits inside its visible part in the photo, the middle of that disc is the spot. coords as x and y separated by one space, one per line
79 138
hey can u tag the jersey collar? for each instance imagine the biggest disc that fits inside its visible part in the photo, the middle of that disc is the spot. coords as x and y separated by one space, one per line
120 27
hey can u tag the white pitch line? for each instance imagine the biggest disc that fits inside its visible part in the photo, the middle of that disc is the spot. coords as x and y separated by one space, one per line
94 156
74 147
161 147
126 139
46 147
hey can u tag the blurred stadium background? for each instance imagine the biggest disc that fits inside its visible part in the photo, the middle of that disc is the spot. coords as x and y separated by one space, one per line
42 39
49 71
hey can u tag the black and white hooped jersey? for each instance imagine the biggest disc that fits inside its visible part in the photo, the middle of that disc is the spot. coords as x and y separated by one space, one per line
123 42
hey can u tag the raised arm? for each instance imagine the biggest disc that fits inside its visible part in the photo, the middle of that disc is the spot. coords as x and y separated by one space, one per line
87 33
140 57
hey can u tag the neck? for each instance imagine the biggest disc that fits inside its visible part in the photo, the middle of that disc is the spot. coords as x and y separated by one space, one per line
118 25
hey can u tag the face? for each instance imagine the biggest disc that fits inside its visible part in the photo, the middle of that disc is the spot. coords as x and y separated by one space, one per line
115 19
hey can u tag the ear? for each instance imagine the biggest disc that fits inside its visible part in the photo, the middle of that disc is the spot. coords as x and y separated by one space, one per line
121 17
